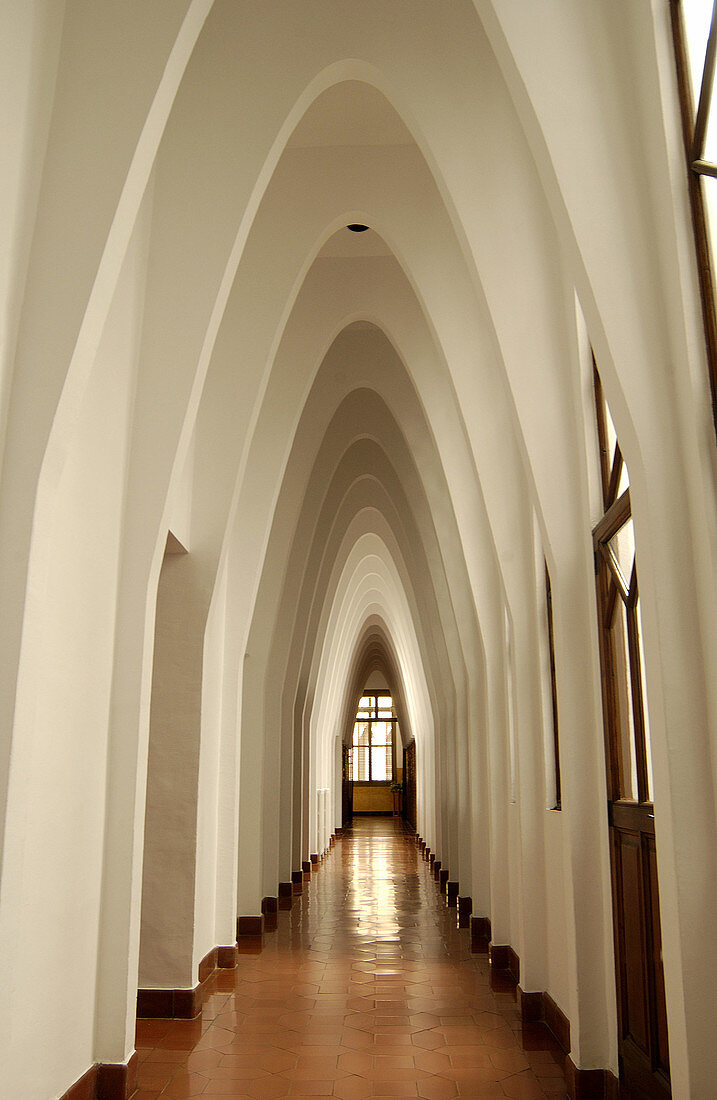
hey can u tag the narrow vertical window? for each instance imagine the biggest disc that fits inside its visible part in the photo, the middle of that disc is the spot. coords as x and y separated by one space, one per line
553 688
510 702
694 29
642 1013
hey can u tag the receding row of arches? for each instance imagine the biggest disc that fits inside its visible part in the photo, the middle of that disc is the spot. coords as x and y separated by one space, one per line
252 459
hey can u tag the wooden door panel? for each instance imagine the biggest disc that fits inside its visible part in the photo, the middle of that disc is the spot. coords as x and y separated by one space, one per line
631 924
409 783
642 1016
347 789
662 1054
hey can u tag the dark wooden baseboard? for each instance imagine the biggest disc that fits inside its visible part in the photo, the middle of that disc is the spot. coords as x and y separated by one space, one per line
106 1081
250 926
590 1084
557 1022
503 957
530 1006
480 928
85 1088
581 1084
117 1082
541 1008
227 957
185 1004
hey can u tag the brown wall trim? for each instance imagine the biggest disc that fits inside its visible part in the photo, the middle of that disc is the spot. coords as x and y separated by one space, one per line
169 1004
480 928
117 1082
250 926
452 893
503 957
207 965
185 1004
590 1084
556 1020
306 866
108 1081
581 1084
530 1006
541 1008
227 957
269 911
85 1088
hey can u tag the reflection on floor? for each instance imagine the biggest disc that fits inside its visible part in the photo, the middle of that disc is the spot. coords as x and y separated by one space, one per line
367 988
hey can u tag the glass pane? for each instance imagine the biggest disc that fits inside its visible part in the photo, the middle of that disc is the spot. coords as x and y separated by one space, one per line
709 150
364 707
385 706
360 765
646 716
611 436
624 725
361 733
380 733
697 15
622 545
381 762
624 482
709 190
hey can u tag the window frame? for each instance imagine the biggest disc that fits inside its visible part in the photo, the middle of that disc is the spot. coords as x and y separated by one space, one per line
553 690
694 127
372 719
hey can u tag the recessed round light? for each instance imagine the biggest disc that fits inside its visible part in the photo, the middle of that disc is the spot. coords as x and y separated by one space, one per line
356 228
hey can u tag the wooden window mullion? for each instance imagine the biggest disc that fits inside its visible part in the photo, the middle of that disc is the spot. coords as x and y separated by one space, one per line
696 195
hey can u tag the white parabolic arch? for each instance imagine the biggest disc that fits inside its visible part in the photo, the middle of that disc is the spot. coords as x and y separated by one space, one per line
370 584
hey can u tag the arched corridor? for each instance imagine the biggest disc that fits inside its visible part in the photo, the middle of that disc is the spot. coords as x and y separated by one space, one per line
353 349
367 988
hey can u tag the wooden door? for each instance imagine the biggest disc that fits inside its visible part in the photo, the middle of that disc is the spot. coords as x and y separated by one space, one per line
347 788
409 783
642 1017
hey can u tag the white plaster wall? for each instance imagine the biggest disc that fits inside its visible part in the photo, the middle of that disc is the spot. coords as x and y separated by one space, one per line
30 44
54 845
537 170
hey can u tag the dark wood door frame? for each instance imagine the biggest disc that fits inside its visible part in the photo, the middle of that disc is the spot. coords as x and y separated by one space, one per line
642 1017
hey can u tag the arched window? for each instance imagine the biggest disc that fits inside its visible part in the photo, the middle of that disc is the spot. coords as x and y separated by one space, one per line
641 1006
373 740
694 24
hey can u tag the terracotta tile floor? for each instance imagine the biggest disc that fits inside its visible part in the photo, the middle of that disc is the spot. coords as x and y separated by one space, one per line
367 988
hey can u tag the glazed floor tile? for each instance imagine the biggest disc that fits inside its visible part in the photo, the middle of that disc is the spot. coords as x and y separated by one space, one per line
366 988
